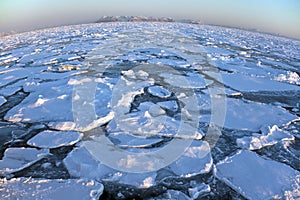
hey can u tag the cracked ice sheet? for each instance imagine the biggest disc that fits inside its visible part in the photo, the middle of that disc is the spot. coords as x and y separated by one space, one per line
54 139
255 177
35 189
252 116
16 159
270 136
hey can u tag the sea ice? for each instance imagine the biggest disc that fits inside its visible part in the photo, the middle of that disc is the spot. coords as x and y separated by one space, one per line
16 159
42 103
270 136
58 189
245 83
176 195
255 177
129 140
2 100
197 156
169 105
54 139
159 91
252 116
199 190
80 163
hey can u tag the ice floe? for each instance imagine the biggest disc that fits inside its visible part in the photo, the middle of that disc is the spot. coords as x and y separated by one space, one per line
199 158
42 104
245 83
269 136
80 163
16 159
54 139
252 116
258 178
34 188
159 91
2 100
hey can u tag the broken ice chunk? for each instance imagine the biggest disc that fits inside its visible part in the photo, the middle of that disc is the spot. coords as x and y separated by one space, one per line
255 177
129 140
176 195
197 156
80 163
245 83
159 91
247 115
270 136
54 139
42 104
16 159
199 190
169 105
29 188
2 100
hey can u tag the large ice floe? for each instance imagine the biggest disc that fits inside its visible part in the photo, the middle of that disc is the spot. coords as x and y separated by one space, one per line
149 111
259 178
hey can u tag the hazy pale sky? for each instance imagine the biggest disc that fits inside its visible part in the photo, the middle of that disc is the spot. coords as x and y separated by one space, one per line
279 16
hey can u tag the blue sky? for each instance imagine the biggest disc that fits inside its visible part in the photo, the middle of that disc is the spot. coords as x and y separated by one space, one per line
279 16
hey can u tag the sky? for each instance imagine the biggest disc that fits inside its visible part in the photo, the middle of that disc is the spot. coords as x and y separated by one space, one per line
276 16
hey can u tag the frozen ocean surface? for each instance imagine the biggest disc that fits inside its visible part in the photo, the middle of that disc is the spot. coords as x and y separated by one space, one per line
149 111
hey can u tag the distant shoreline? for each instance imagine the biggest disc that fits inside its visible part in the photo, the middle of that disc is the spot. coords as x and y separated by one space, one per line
112 19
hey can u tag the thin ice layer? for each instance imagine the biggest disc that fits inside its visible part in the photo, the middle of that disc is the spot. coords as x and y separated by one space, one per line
255 177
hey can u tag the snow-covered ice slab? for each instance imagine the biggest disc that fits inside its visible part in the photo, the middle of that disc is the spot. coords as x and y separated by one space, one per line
2 100
252 116
269 136
54 139
56 189
16 159
257 178
43 103
245 83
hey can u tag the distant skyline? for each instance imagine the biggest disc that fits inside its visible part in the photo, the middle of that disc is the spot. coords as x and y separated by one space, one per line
276 16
